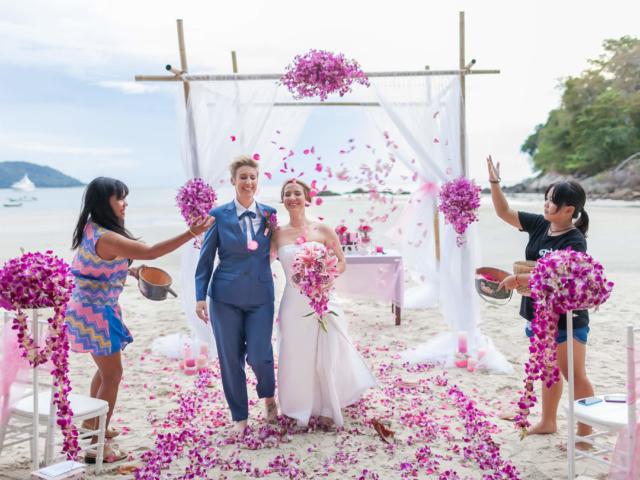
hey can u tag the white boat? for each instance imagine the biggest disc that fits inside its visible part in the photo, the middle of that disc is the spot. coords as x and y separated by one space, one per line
24 185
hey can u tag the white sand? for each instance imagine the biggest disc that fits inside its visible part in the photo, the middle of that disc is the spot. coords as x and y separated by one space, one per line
613 240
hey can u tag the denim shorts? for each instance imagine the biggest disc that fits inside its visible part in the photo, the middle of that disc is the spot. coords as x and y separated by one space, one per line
580 334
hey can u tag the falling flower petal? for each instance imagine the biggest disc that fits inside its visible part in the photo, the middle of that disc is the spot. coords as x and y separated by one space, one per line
300 240
318 201
268 175
256 157
252 245
233 139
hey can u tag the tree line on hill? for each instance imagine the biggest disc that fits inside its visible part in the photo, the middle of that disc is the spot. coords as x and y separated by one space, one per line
597 125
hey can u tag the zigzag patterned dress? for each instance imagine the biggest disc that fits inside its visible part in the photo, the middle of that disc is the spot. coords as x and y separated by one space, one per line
94 320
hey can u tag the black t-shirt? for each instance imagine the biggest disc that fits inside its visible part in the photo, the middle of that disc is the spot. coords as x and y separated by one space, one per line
540 243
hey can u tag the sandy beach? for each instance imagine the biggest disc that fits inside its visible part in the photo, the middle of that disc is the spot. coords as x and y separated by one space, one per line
150 383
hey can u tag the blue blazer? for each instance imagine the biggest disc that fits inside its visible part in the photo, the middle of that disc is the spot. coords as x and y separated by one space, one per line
243 276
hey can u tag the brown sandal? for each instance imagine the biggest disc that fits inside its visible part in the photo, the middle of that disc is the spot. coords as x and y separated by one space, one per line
111 432
111 455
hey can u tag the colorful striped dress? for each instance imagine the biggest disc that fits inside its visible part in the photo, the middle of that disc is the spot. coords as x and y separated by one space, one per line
94 320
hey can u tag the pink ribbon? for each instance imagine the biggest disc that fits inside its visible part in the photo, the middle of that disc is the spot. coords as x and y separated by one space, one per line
410 211
626 458
14 371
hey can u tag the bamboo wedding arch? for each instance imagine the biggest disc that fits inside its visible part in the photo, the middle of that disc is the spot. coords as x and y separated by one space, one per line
463 70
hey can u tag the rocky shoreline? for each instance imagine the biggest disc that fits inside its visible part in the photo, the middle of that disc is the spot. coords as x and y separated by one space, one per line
619 183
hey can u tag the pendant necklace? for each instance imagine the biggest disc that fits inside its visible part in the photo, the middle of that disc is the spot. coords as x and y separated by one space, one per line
550 232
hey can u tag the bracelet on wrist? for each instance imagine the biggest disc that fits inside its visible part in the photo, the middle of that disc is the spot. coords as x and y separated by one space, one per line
191 232
495 181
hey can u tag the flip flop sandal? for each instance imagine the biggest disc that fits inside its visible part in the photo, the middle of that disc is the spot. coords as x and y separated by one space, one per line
112 432
111 455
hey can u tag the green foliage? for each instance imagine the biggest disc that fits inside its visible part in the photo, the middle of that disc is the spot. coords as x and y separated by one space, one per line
42 177
598 122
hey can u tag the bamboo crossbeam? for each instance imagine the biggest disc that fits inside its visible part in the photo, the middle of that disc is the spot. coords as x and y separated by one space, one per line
326 104
173 70
275 76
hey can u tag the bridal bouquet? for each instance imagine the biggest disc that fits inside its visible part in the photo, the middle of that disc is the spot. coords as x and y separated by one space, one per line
562 281
459 202
314 273
38 280
320 73
195 199
272 223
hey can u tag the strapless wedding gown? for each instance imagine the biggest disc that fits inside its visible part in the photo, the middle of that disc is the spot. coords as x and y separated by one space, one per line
319 372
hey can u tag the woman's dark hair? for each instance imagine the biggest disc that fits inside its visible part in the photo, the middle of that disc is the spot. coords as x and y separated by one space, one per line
571 194
96 203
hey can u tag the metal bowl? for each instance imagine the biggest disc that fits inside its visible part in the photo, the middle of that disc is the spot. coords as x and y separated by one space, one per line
488 289
155 283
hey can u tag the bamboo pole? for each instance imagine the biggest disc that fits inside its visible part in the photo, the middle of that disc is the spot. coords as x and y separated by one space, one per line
470 64
277 76
234 61
463 150
183 59
173 70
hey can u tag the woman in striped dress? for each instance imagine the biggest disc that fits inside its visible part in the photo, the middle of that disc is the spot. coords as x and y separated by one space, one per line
105 250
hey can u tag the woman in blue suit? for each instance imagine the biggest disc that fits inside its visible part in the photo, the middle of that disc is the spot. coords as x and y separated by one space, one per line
241 292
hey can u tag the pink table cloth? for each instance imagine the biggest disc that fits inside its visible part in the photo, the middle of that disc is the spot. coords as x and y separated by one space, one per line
378 277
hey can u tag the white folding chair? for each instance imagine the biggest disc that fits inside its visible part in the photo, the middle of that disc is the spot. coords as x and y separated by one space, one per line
605 417
24 422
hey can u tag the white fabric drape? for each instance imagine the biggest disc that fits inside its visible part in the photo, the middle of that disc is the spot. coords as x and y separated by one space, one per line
216 111
422 116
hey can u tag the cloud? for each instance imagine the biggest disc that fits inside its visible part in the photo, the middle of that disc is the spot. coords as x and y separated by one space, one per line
129 88
66 150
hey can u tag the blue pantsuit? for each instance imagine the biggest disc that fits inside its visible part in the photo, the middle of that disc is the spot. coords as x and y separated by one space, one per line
242 304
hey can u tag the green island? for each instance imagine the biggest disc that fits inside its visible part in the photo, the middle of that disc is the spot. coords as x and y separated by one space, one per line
594 134
41 176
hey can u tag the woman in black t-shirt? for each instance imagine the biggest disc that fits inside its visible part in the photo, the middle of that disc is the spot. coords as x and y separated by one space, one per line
555 230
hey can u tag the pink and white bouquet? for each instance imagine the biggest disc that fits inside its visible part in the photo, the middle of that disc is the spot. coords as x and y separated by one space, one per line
38 280
195 199
314 273
561 281
342 231
459 202
272 223
320 73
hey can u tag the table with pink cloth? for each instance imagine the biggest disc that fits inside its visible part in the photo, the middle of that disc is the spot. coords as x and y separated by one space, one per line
375 277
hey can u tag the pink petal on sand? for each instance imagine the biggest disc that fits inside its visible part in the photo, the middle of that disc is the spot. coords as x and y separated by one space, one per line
300 241
268 175
233 139
318 201
252 245
256 157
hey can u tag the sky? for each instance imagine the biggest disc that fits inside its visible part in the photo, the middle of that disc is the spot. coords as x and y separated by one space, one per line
68 98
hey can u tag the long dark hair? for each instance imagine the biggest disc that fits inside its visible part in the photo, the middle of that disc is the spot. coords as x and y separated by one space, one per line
96 203
571 194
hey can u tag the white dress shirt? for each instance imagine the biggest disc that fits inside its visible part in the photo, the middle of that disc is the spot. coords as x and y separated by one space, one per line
256 221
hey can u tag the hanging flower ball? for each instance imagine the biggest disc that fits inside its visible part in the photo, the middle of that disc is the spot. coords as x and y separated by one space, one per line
195 200
38 280
459 202
561 281
320 73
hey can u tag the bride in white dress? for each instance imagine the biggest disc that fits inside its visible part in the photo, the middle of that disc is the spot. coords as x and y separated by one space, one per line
319 372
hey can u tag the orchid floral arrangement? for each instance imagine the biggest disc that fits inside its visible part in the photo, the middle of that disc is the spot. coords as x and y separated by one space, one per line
459 202
320 73
562 281
38 280
314 273
195 199
272 223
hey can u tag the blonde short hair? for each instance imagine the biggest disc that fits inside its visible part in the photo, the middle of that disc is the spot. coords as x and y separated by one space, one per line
305 188
242 161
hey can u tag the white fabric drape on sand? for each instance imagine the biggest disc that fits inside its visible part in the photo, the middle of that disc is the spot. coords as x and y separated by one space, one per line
216 111
422 118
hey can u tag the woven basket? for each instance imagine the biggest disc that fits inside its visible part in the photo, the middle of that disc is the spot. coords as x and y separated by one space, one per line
523 266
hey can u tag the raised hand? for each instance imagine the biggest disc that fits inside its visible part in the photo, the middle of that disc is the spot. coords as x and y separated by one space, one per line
494 170
202 225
